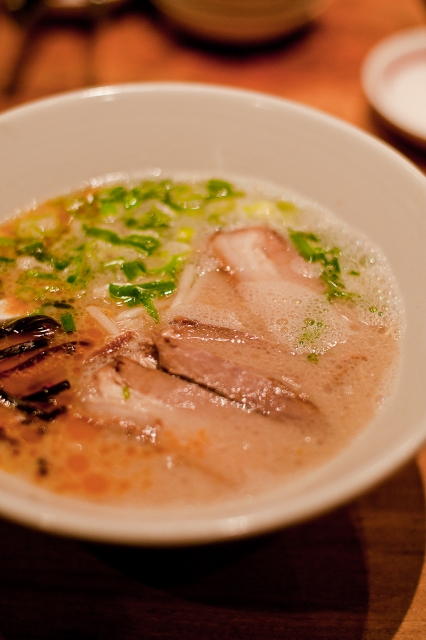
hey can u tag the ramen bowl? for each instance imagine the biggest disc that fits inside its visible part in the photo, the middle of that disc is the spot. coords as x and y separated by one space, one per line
241 22
55 145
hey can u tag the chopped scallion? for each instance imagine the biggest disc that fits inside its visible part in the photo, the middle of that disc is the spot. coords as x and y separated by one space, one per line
143 244
308 245
67 322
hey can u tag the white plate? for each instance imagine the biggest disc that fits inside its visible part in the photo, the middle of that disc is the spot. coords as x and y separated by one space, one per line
394 81
53 145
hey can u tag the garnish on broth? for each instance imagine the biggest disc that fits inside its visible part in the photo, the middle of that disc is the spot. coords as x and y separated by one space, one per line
174 342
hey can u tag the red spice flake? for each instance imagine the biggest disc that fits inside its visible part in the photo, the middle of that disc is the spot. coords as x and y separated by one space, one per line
31 435
78 462
42 467
79 430
96 483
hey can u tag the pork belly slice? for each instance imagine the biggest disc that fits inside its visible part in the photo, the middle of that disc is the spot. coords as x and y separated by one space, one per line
151 393
280 288
185 423
128 343
246 348
160 387
256 254
189 328
183 427
250 388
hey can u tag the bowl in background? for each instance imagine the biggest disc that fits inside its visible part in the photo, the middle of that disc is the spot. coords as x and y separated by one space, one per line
394 81
240 22
55 145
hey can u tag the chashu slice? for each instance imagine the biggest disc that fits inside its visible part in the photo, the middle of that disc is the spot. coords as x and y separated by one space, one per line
188 426
259 254
193 358
239 366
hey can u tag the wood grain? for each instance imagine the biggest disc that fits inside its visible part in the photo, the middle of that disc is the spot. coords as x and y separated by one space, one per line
357 573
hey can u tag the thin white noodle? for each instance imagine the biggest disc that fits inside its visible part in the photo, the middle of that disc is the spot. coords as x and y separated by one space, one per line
103 320
185 285
131 313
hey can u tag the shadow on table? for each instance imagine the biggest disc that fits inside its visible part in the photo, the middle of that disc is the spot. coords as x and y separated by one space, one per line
350 574
414 152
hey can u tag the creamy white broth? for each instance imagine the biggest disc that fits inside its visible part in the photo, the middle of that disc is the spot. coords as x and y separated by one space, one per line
213 340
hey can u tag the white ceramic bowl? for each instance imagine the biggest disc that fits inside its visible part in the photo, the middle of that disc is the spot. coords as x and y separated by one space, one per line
241 21
394 80
53 145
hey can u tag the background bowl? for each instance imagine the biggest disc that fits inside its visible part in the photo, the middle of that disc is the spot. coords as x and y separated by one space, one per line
241 21
54 145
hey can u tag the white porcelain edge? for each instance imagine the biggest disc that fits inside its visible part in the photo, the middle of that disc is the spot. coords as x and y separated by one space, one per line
194 529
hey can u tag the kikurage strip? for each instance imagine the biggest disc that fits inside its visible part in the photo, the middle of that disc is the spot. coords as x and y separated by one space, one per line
68 347
39 325
46 393
8 400
23 347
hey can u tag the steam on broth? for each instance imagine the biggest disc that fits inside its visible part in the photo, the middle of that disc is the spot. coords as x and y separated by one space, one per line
177 342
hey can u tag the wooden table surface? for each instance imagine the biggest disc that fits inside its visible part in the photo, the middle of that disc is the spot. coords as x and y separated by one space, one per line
356 573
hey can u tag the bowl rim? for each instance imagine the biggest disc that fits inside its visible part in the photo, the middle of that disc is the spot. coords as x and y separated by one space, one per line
195 529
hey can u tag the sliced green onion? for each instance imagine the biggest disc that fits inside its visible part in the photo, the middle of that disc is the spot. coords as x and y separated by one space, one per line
146 244
133 295
221 189
133 269
286 206
7 242
67 322
308 245
152 219
170 268
159 288
143 244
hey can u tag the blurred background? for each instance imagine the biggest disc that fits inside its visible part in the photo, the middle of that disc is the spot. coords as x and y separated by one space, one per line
306 50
